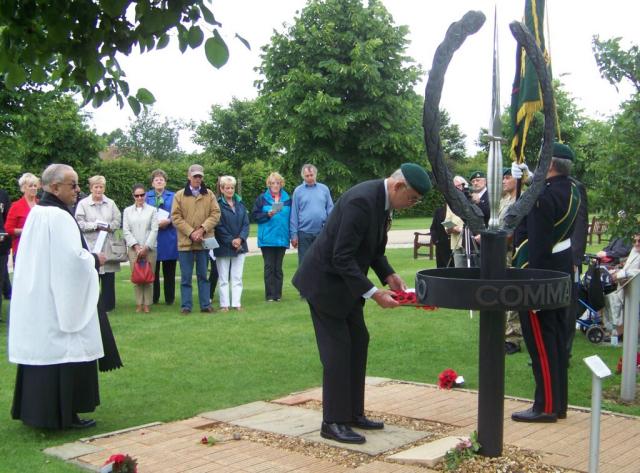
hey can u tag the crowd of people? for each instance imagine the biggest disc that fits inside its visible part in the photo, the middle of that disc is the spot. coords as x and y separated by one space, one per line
167 228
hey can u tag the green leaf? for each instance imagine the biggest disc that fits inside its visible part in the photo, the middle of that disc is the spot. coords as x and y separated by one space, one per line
38 74
144 96
195 36
163 41
15 76
216 50
113 8
124 87
208 16
97 100
134 104
95 72
244 41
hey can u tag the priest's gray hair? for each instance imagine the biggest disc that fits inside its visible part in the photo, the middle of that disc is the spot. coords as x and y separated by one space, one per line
54 174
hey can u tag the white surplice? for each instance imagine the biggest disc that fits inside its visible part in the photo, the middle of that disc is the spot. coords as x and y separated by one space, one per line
54 317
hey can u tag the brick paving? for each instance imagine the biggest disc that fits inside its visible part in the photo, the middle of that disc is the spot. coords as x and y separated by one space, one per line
175 447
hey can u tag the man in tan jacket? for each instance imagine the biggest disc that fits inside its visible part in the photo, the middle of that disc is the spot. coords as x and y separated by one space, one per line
194 213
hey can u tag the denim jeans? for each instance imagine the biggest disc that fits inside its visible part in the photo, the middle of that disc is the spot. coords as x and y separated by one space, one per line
186 260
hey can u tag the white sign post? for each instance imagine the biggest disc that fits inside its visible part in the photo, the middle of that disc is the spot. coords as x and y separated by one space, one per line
599 371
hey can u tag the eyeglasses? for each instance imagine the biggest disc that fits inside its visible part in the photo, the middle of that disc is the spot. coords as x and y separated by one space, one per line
636 240
138 196
73 185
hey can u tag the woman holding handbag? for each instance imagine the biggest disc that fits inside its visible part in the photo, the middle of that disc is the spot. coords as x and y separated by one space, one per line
140 228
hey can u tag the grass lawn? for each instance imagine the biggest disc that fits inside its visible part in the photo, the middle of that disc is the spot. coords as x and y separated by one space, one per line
176 366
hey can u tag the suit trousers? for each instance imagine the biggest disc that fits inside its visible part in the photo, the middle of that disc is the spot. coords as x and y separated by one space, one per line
545 336
230 271
169 277
108 291
273 277
343 344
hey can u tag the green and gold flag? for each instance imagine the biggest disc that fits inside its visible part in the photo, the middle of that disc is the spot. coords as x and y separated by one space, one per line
526 98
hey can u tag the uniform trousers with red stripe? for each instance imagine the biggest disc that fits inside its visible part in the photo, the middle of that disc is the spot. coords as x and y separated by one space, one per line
546 339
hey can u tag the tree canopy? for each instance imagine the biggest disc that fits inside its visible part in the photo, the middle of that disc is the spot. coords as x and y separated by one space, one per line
72 44
232 134
148 137
38 128
337 90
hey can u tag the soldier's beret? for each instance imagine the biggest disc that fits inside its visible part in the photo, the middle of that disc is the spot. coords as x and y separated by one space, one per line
477 174
416 177
560 150
506 172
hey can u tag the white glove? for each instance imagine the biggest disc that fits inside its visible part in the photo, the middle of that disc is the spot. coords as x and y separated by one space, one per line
517 170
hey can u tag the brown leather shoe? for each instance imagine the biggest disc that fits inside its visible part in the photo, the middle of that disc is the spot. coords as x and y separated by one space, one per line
145 309
185 311
208 310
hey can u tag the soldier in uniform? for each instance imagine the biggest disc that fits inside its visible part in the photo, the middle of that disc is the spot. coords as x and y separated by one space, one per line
543 241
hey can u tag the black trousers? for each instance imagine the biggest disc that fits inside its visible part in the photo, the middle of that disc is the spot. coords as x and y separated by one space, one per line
213 278
108 291
169 276
544 334
273 277
3 277
343 344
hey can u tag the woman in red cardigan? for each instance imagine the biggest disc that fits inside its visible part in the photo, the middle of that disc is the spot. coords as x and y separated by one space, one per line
29 185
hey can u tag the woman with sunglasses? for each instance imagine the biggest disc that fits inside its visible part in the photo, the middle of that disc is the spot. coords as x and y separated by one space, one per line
140 228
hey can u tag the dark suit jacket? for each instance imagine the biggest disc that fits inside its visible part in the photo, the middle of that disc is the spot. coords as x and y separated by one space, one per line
484 206
333 274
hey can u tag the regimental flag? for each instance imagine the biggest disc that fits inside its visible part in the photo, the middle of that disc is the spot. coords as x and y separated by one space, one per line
526 98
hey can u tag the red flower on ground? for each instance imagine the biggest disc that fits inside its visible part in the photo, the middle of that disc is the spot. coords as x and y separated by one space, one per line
447 379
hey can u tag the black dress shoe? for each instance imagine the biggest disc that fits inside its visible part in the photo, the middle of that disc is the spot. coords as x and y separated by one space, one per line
83 423
510 348
362 422
562 415
533 416
340 433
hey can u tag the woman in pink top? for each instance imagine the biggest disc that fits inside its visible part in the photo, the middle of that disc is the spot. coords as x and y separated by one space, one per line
29 185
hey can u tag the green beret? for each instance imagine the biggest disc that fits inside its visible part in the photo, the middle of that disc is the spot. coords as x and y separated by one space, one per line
477 174
561 150
416 177
506 172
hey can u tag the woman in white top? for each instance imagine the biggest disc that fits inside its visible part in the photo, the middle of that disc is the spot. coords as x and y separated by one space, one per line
140 228
94 213
615 300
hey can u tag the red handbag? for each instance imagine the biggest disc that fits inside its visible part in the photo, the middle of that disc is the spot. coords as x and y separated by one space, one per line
141 273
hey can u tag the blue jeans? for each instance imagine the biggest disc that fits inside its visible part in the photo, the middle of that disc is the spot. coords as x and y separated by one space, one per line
304 242
186 260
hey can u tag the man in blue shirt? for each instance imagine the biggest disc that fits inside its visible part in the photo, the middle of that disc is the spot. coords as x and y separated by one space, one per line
310 209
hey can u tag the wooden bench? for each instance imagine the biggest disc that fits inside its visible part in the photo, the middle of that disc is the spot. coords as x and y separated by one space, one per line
422 239
599 228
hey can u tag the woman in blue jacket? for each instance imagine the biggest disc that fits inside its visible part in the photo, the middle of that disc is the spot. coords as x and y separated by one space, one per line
167 250
272 210
232 232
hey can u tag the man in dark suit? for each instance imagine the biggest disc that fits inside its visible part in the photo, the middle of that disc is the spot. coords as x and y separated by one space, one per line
543 241
333 280
479 194
441 238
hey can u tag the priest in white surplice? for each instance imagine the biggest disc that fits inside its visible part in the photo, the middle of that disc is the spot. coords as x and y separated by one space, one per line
54 332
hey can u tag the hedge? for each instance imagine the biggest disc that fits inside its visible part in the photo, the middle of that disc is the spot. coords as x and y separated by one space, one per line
121 174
